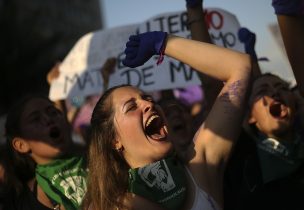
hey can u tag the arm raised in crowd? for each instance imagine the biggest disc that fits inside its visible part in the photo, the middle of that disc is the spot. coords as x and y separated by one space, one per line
199 32
290 16
249 38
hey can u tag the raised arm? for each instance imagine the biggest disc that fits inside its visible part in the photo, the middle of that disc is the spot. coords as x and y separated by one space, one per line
199 32
196 21
51 75
214 140
290 16
249 38
218 62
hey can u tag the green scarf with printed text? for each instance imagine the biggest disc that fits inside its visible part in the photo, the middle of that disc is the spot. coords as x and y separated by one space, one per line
163 182
64 181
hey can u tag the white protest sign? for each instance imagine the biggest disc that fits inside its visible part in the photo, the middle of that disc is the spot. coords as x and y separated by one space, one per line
80 71
223 28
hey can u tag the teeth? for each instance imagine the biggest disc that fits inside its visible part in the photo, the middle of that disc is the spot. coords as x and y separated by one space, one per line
165 127
151 119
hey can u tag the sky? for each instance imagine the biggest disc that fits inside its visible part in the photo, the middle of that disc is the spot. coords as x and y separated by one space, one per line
255 15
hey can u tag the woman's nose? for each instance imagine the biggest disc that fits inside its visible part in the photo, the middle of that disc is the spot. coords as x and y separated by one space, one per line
275 93
47 119
147 105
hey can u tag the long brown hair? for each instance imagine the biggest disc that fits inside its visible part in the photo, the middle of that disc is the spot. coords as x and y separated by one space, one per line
108 171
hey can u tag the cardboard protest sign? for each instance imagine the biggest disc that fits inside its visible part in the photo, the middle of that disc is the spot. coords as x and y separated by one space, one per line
80 71
222 26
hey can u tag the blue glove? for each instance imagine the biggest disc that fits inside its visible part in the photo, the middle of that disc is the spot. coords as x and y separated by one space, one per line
193 3
248 38
140 48
288 7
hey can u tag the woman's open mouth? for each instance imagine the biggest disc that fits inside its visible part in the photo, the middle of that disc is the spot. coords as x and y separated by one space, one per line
155 127
278 110
55 132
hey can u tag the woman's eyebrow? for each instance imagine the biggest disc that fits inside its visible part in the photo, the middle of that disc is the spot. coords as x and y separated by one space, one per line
146 95
280 84
127 102
32 115
263 86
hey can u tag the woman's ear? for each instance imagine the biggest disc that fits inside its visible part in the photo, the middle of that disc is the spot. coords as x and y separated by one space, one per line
251 120
21 145
249 117
117 145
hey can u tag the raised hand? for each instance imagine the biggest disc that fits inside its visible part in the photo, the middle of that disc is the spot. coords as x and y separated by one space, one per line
248 38
140 48
53 73
288 7
106 70
193 3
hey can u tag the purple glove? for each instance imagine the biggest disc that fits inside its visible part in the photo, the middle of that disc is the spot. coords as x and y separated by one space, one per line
193 3
248 38
288 7
189 95
140 48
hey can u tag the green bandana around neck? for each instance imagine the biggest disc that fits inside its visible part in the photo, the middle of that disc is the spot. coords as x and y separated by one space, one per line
163 182
64 181
279 158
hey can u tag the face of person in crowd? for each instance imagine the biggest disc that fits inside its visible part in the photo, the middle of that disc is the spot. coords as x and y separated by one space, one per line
141 127
45 132
179 122
273 106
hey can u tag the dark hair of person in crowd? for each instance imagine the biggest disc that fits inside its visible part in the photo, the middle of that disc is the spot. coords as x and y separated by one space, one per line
9 183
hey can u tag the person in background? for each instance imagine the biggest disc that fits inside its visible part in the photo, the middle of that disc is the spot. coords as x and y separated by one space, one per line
266 166
256 176
43 156
180 122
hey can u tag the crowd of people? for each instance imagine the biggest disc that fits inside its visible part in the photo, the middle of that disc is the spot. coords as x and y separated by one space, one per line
236 142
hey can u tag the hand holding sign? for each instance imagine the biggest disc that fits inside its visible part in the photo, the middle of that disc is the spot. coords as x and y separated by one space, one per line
107 69
53 73
140 48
